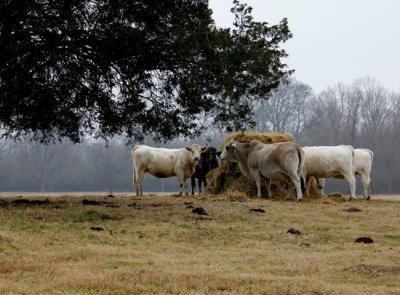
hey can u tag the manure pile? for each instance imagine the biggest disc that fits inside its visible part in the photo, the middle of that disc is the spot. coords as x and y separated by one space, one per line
227 179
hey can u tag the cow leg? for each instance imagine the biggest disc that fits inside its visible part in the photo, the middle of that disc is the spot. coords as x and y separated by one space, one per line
351 182
369 191
135 184
269 193
137 179
365 180
290 191
308 185
185 183
258 183
193 179
180 178
139 188
204 184
257 178
255 174
297 183
321 185
199 184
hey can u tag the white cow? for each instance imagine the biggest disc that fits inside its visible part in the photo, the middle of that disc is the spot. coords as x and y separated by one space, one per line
363 159
329 162
164 163
278 161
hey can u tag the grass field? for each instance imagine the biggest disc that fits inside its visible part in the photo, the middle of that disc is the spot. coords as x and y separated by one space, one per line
156 245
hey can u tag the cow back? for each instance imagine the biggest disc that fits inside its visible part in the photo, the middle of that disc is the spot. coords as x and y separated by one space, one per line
328 161
160 162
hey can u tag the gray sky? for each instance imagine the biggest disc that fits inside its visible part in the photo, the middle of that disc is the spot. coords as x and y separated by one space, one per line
333 40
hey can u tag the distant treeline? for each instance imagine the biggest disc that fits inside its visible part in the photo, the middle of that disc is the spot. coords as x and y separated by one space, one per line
362 114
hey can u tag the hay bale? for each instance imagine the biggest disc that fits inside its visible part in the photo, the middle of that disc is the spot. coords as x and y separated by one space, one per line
246 137
227 178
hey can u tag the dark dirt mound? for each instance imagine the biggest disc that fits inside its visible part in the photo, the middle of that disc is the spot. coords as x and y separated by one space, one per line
86 202
200 211
352 209
28 202
293 231
256 210
365 240
90 202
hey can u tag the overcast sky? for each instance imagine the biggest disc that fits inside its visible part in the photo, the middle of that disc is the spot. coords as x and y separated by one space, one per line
333 40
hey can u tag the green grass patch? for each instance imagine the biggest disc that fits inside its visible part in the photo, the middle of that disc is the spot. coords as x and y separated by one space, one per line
318 228
392 238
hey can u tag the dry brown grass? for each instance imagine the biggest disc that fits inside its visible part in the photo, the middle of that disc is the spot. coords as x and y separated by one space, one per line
155 245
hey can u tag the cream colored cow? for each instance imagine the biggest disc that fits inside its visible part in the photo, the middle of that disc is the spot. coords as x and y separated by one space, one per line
164 163
329 162
363 159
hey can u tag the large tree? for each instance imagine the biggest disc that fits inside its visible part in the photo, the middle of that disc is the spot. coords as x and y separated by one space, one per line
137 68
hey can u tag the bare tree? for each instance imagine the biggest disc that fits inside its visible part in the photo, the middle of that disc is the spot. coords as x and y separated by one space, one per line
286 110
375 110
49 162
362 114
353 108
325 124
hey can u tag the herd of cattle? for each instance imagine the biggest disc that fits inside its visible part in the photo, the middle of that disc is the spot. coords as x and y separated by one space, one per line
284 161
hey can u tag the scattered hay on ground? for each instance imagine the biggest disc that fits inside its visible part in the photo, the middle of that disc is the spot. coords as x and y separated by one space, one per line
228 196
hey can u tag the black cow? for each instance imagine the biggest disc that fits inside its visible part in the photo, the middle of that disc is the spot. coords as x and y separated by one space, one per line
208 161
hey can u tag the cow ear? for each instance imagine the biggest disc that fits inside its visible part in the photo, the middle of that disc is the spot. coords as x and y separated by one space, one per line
203 149
188 148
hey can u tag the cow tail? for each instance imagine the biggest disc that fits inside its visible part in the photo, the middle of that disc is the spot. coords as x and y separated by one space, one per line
134 168
301 155
352 153
372 155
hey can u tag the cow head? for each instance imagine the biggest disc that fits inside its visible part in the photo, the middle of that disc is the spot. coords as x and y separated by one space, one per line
229 150
195 151
212 158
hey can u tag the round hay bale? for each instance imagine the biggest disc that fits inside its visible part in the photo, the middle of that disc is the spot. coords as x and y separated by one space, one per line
226 178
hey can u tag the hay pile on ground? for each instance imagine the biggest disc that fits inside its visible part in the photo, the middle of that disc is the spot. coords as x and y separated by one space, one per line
227 179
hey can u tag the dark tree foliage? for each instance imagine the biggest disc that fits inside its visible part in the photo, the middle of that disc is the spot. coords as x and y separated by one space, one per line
136 68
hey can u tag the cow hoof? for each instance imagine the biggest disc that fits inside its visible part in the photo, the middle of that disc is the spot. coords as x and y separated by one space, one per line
299 200
352 200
